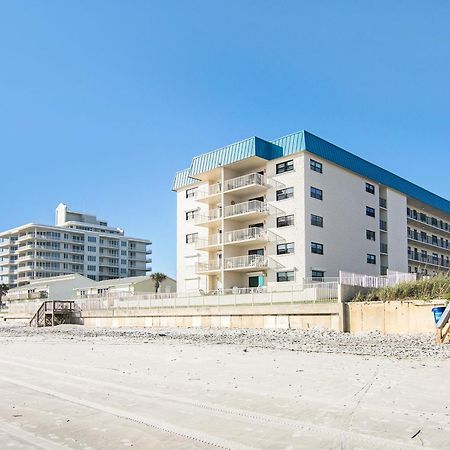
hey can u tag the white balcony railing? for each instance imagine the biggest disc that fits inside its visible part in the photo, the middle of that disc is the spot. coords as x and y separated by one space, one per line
246 207
212 240
245 235
248 261
208 266
244 181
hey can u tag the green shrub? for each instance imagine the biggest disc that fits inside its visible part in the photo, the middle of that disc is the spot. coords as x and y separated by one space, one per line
425 289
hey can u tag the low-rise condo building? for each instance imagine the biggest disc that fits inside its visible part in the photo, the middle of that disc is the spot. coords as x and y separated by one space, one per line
257 213
77 243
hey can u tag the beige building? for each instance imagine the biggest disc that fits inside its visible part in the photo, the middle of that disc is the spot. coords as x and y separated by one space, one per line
259 213
77 243
123 286
53 288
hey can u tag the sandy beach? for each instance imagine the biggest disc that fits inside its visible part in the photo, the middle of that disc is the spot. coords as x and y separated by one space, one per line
83 388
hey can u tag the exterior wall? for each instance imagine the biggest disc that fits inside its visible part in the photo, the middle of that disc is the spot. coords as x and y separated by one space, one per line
391 317
345 221
397 242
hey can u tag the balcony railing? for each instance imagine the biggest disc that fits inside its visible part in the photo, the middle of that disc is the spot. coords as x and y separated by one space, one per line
429 240
248 261
245 235
430 221
244 181
246 207
211 215
429 259
210 241
209 266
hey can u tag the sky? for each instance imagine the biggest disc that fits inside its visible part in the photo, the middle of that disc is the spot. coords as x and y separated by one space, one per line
101 102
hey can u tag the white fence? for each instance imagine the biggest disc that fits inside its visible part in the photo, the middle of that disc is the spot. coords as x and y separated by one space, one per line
368 281
309 292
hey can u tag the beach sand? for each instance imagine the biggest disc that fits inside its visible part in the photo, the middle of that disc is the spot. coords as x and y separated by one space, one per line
83 388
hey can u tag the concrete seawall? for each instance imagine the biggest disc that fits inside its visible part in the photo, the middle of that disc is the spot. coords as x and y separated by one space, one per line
385 317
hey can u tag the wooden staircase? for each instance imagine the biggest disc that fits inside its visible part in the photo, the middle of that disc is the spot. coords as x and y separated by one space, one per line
52 313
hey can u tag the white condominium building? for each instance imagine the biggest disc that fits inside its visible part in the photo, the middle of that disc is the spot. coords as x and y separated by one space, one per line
77 243
258 213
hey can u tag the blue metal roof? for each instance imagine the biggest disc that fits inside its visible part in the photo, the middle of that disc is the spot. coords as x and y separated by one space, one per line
306 141
253 146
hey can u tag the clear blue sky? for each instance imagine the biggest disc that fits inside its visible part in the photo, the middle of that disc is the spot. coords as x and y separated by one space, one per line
101 102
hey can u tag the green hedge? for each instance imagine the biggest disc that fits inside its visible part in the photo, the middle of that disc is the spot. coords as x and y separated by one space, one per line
425 289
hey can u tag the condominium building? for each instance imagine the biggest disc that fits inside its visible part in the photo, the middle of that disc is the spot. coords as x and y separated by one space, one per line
77 243
261 213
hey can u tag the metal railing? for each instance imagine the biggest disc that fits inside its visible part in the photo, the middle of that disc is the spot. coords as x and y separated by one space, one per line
214 239
430 221
246 207
208 266
299 293
250 261
245 234
372 281
212 214
439 243
244 181
429 259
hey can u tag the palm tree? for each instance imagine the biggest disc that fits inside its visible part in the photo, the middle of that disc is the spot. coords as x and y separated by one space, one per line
158 278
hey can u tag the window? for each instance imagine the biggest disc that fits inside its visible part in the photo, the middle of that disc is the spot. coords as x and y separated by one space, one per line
91 268
91 249
315 165
190 193
285 276
285 249
317 248
123 243
285 221
92 258
256 252
370 188
317 221
318 274
190 215
286 166
123 252
316 193
370 211
370 235
123 262
191 238
285 193
371 259
92 239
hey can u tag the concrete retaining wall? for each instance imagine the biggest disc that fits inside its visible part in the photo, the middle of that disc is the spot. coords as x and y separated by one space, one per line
391 317
298 316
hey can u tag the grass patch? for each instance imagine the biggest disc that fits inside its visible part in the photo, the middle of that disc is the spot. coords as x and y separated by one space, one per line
425 289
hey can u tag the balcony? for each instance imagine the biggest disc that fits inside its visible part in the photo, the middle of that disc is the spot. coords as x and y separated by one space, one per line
427 221
429 259
210 267
245 236
5 243
383 248
212 242
247 210
246 263
211 194
212 218
252 183
428 240
383 225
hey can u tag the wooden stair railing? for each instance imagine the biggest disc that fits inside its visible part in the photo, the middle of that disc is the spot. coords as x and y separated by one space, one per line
54 312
